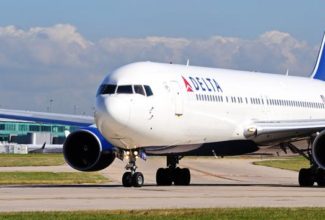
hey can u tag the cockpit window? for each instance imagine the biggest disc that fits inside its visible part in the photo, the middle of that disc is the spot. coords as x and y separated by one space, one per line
125 89
106 89
148 90
138 89
144 90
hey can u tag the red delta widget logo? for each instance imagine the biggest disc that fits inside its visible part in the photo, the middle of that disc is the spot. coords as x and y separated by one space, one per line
201 84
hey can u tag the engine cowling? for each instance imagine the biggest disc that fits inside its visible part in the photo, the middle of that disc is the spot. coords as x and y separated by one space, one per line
318 150
87 150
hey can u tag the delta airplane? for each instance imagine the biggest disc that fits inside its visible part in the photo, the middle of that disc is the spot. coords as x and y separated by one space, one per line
148 108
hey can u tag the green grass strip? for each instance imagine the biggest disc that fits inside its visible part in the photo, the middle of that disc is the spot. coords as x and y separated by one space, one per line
21 160
178 214
9 178
292 163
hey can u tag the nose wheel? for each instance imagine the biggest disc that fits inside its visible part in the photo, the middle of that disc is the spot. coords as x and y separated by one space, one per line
132 178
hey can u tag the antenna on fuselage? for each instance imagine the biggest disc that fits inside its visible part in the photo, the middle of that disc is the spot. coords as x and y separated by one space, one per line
188 62
287 73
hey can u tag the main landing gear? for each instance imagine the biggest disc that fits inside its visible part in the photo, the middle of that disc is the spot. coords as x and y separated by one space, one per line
173 174
132 178
307 176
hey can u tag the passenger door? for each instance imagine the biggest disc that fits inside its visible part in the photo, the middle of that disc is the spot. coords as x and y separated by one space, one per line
177 98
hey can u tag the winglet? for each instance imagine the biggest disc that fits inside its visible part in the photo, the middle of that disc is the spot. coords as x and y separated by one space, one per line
319 70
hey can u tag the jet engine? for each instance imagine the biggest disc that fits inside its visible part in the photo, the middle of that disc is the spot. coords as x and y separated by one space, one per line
318 150
87 150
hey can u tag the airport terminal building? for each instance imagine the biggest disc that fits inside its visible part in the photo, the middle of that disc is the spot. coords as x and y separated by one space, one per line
20 132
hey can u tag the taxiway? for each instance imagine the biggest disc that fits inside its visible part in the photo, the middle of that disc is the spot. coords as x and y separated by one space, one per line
215 183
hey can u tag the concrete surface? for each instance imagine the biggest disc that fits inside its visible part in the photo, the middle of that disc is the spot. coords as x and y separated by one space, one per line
215 183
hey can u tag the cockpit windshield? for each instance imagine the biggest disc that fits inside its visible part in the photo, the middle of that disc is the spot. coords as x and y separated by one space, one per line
138 89
148 90
110 89
125 89
106 89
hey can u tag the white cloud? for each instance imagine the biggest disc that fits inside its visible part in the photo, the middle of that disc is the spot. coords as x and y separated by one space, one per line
58 62
58 45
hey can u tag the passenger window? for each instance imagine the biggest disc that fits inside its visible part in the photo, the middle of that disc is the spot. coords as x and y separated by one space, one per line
148 90
138 89
106 89
127 89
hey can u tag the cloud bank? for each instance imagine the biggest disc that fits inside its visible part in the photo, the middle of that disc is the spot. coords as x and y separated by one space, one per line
59 63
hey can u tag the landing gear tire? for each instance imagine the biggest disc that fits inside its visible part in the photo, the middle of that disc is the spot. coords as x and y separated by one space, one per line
182 177
320 178
137 179
163 177
166 176
173 174
306 178
160 176
127 179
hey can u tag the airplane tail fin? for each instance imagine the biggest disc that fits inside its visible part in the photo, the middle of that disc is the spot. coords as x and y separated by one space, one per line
319 70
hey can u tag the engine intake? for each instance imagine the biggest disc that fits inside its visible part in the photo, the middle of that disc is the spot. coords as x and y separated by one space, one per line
87 150
318 150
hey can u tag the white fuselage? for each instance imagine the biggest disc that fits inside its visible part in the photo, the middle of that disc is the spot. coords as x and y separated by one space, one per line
195 105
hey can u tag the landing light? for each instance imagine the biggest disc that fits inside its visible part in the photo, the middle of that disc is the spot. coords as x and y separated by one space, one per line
250 132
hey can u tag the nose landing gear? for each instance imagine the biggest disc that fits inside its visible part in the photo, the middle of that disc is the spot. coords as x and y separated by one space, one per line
132 178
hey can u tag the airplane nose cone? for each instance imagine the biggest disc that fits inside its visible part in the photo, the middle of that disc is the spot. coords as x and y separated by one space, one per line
112 114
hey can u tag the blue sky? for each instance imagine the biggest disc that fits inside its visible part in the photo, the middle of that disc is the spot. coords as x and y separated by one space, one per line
183 18
64 48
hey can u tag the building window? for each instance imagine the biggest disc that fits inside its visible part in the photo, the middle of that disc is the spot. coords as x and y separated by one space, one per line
34 128
46 128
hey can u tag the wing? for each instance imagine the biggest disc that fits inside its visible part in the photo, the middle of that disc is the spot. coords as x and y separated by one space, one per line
48 118
266 132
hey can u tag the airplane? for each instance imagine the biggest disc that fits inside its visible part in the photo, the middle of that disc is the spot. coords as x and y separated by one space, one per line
172 110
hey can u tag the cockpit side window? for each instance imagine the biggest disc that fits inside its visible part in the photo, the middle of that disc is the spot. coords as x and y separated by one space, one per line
106 89
125 89
148 90
138 89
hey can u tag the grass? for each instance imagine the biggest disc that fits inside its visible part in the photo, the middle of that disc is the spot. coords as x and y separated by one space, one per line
178 214
19 160
292 163
9 178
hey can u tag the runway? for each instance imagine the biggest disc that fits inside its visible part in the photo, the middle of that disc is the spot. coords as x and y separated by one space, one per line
215 183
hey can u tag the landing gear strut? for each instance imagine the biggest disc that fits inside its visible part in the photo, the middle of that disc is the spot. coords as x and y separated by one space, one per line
173 174
307 176
132 178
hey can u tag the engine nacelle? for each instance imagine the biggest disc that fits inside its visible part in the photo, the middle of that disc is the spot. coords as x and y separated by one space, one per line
318 150
87 150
